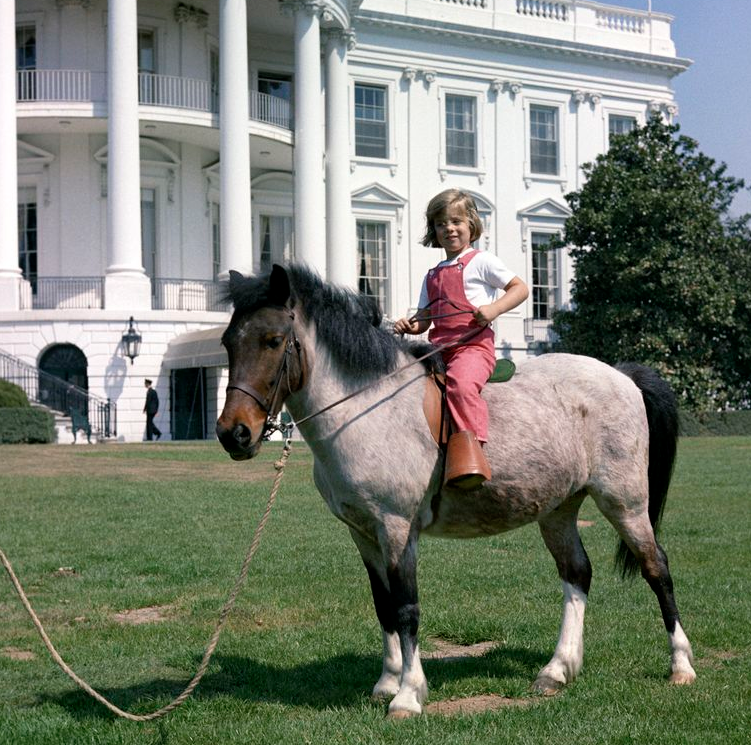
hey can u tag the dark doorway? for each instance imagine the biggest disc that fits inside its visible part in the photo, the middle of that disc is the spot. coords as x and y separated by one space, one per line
63 379
188 403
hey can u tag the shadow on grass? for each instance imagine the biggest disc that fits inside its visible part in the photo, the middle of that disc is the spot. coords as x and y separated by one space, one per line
340 681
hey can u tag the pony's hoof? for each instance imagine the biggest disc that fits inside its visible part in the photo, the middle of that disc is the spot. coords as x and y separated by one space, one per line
547 686
683 678
402 714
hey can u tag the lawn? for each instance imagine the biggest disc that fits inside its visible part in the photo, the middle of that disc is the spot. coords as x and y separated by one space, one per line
128 552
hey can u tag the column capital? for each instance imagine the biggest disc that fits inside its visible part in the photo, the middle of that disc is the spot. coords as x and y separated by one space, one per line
311 7
85 4
337 35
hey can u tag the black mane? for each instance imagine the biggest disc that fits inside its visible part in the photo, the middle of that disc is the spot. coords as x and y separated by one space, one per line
347 323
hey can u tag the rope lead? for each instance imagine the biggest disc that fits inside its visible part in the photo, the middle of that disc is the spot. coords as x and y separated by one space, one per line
228 605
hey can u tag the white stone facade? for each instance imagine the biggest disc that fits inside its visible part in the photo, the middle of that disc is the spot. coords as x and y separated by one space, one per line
150 147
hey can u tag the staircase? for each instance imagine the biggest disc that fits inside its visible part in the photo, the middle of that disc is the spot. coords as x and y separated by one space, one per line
65 400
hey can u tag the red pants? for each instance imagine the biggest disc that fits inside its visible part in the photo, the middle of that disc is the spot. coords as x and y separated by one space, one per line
467 370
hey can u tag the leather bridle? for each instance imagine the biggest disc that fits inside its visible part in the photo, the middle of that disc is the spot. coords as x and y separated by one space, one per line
272 403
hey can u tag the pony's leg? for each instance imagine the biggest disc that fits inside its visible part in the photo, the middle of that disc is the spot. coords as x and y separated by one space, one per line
392 570
561 536
638 534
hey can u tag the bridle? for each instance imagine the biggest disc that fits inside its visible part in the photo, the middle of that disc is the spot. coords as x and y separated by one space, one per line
272 403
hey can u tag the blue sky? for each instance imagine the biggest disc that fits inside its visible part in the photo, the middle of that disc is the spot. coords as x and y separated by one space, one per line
714 94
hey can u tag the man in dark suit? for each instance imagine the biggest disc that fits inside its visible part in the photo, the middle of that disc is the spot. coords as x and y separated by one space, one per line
150 409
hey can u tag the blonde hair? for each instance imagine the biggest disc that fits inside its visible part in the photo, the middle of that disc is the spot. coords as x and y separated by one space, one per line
440 203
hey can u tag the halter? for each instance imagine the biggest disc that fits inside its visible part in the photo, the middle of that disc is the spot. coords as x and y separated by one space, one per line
270 404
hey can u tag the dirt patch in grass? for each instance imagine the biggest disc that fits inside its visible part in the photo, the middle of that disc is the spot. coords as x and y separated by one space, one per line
714 659
13 653
584 523
446 650
476 704
136 616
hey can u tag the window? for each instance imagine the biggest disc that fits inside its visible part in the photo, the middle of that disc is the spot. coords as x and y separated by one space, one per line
371 136
543 139
620 125
216 246
26 62
276 85
461 131
27 240
146 50
214 79
148 232
26 48
277 246
372 252
544 277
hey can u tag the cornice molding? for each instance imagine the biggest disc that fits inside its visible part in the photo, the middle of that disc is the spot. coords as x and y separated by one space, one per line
495 37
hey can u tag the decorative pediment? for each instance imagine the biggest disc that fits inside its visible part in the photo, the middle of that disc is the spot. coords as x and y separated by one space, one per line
377 196
275 182
151 152
31 155
547 209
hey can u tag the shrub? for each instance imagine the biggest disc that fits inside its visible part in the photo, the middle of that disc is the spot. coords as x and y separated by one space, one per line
12 395
715 423
26 424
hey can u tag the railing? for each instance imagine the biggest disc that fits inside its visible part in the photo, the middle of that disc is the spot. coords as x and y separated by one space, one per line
174 92
555 11
536 330
169 91
68 292
270 109
53 85
56 394
618 20
186 294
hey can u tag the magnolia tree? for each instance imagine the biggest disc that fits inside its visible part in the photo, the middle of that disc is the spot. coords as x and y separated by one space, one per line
663 274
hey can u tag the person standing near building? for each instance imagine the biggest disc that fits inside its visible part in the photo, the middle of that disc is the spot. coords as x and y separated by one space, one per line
150 409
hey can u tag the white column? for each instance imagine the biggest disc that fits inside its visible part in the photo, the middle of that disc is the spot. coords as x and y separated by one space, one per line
310 205
126 285
10 274
234 147
341 249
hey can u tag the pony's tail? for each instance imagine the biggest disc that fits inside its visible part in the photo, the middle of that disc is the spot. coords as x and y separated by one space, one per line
662 416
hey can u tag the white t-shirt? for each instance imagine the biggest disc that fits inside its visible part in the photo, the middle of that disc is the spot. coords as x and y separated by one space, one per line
483 277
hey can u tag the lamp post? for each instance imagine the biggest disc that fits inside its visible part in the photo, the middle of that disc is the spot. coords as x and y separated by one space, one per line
131 341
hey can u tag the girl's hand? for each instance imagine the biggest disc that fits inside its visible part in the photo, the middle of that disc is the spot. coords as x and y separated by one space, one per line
406 326
485 315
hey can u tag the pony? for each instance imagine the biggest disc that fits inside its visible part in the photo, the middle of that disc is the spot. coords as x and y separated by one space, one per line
563 428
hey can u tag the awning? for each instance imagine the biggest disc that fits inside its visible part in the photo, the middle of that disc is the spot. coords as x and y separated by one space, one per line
197 349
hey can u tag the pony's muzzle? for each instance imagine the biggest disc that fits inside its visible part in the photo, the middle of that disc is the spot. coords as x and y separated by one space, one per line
237 440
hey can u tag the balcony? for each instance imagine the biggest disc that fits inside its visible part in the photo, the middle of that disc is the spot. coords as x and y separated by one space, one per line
86 293
164 91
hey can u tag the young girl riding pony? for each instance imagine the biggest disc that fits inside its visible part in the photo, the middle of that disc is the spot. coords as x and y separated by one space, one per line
458 297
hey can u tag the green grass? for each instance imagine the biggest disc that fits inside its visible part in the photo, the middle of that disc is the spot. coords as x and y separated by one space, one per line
168 525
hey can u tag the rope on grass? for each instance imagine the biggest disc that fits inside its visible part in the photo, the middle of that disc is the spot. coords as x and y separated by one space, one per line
228 605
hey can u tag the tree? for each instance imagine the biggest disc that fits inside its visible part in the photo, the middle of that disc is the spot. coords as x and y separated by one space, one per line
660 268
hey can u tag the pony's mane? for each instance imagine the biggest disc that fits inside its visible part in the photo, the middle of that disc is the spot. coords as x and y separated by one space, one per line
347 323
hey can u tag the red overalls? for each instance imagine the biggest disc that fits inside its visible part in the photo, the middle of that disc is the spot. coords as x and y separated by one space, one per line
469 365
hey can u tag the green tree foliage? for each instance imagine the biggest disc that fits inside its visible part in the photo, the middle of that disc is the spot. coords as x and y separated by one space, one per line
663 275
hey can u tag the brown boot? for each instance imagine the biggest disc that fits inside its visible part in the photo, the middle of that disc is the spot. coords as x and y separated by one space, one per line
466 465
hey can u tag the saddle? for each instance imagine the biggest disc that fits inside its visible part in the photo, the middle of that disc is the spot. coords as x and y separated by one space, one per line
465 465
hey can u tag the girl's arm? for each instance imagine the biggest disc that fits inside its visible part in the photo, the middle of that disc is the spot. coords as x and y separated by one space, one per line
515 293
414 325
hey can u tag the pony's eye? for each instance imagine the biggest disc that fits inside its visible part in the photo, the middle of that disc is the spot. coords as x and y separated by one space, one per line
274 342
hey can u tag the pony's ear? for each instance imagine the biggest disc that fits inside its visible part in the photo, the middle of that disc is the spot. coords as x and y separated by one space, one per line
279 289
235 279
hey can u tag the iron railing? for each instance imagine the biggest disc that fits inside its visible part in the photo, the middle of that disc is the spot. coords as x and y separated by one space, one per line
53 85
60 396
186 294
68 292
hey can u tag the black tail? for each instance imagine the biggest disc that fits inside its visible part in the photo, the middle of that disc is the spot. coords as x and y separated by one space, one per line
662 416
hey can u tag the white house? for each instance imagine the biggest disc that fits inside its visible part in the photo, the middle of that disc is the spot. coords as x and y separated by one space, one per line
148 147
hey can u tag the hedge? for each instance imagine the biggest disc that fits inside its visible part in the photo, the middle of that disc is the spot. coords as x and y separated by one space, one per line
26 424
12 395
715 423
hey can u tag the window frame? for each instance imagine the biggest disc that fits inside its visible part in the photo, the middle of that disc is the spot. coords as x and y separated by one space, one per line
444 167
390 160
621 111
530 176
28 195
387 279
447 130
553 290
383 90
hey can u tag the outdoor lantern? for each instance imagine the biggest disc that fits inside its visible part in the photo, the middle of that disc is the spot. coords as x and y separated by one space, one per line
131 341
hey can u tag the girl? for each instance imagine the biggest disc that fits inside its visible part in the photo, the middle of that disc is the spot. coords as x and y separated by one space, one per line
458 297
